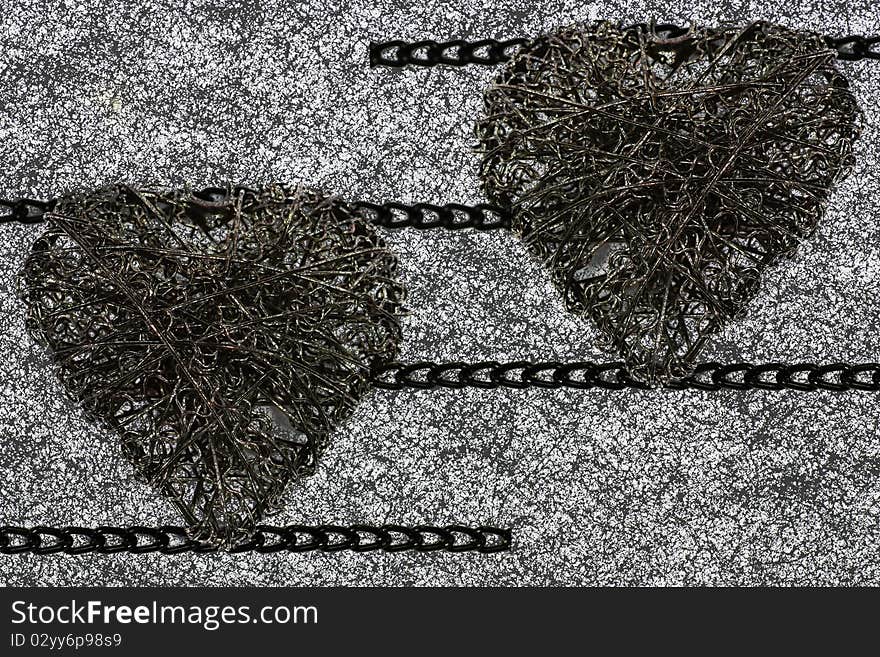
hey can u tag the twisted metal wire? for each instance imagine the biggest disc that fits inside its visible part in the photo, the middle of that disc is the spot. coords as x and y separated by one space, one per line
656 176
222 334
487 52
265 539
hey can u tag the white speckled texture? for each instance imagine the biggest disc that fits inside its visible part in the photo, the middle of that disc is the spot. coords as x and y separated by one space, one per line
599 488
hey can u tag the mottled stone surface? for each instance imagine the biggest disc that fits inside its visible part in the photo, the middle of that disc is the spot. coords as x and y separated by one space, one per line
599 487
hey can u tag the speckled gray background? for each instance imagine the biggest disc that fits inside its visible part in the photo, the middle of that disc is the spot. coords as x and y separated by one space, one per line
600 488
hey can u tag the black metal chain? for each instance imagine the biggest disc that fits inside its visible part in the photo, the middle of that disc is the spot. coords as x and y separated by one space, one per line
425 216
23 211
449 53
266 539
804 377
487 52
420 216
854 47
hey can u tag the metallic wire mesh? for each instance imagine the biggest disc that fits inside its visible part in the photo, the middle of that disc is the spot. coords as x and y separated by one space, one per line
657 176
223 336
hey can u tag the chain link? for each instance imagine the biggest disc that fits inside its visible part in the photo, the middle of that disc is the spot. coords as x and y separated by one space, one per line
23 210
421 216
266 539
855 47
805 377
487 52
425 216
398 54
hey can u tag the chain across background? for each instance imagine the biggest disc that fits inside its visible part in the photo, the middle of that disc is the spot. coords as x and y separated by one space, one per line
420 216
489 52
266 539
802 377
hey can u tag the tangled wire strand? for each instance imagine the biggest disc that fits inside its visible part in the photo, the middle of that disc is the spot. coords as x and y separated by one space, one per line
658 175
222 335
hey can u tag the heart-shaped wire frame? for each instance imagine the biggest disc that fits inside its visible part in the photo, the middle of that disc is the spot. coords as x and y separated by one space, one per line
657 176
222 335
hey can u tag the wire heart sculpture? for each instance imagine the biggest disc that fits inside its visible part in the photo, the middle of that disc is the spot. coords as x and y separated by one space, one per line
657 177
223 336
